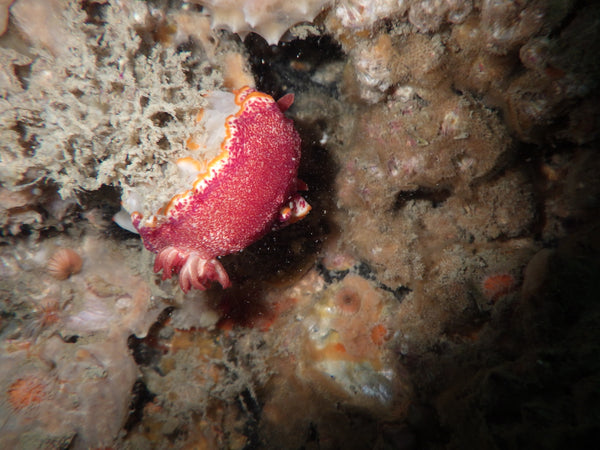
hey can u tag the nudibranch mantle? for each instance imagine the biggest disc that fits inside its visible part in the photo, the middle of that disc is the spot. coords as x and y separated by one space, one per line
245 191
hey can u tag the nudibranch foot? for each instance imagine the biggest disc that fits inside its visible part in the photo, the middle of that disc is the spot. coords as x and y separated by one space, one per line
198 272
169 260
194 271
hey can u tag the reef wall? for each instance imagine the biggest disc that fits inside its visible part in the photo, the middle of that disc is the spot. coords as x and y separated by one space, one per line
442 292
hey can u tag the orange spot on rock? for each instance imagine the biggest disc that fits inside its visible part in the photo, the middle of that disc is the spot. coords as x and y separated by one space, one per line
191 144
379 334
339 347
334 351
496 286
26 392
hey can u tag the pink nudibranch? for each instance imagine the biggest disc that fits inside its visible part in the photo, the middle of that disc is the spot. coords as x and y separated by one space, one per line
248 189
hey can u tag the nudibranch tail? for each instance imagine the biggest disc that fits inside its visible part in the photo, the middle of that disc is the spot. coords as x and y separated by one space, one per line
194 271
296 209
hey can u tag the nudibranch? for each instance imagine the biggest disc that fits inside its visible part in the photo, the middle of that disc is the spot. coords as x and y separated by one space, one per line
249 188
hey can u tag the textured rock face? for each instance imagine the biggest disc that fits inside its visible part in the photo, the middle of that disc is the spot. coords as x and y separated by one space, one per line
448 266
270 18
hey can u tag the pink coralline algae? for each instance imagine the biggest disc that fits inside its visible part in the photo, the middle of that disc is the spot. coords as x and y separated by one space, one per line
248 189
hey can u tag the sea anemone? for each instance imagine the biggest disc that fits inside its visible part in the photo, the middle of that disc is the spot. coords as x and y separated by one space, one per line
64 263
46 316
347 301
